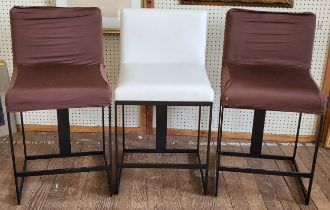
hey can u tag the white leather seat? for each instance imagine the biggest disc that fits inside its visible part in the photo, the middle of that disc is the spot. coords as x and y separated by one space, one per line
163 56
163 82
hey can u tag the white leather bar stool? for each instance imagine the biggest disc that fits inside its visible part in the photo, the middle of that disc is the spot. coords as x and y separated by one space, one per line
162 63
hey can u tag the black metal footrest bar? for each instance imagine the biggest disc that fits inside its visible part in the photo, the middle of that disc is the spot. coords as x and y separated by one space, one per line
76 154
192 151
263 171
241 154
162 165
63 171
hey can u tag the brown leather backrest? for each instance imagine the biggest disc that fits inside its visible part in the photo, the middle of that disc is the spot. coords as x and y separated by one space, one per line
56 35
253 37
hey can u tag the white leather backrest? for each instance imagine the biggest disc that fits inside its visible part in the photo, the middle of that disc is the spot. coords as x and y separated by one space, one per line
163 36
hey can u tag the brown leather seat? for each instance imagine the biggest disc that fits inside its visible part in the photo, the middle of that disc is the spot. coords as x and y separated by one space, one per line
58 59
266 62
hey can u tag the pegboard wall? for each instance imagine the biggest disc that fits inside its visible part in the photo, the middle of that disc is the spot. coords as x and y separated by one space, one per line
186 118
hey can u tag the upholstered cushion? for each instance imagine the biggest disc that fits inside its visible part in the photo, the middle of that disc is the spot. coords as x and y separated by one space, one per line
58 87
58 59
163 82
163 56
271 87
267 60
163 36
56 35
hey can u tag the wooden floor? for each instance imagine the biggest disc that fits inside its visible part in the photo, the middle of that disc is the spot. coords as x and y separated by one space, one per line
160 188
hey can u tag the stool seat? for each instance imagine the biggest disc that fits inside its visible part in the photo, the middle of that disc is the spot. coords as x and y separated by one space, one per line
271 87
174 82
56 86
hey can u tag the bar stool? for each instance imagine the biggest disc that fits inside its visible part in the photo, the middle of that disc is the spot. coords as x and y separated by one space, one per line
58 64
266 66
163 64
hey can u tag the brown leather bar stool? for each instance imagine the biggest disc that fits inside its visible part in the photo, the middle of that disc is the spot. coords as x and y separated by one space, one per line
266 66
58 64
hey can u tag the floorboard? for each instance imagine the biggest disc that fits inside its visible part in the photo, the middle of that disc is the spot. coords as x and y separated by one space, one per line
160 188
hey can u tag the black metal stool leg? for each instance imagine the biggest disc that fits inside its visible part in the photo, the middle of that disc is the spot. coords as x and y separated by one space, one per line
103 131
198 145
319 138
104 153
219 137
297 136
199 128
208 151
110 149
25 153
302 187
18 191
116 151
123 125
23 135
123 147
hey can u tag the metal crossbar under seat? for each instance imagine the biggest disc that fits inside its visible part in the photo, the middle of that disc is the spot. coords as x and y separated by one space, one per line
255 152
161 142
65 152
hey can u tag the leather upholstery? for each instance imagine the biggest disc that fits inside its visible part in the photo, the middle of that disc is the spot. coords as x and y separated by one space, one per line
267 60
163 56
163 82
163 36
58 59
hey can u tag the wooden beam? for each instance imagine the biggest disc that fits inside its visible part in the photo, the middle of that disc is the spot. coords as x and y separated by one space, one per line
149 117
326 92
143 119
326 85
150 3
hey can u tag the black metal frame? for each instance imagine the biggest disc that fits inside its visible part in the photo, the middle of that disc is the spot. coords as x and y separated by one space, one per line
161 130
255 152
65 151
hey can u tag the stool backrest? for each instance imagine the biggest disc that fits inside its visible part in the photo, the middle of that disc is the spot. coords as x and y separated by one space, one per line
253 37
56 35
163 36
